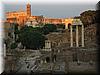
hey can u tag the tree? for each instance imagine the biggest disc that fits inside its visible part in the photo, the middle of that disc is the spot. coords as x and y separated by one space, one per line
49 28
16 31
62 26
13 46
31 38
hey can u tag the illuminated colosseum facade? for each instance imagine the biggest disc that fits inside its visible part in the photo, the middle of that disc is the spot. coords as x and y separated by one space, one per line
21 17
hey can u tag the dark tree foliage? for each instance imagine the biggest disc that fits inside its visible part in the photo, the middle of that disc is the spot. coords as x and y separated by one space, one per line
13 46
62 26
31 38
49 28
16 31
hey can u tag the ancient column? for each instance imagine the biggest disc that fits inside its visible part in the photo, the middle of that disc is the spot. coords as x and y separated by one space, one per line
4 50
66 25
71 36
82 35
77 44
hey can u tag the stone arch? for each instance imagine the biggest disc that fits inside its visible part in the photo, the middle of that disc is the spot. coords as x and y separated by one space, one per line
69 25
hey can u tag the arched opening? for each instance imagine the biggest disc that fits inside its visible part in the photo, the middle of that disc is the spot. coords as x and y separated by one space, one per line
69 25
47 59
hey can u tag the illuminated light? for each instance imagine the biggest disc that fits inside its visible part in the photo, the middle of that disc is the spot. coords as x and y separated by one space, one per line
67 21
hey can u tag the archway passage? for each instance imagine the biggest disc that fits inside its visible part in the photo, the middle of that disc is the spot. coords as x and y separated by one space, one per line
47 59
69 25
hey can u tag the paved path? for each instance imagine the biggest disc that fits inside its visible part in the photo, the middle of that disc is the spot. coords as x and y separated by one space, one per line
27 65
83 67
52 66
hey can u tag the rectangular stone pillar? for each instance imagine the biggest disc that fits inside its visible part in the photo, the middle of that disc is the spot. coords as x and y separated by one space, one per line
4 50
71 36
66 26
82 35
77 44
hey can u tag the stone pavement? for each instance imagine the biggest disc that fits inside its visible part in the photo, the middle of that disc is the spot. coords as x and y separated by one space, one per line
27 65
83 67
52 67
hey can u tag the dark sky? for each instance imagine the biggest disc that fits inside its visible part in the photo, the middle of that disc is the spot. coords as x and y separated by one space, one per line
52 10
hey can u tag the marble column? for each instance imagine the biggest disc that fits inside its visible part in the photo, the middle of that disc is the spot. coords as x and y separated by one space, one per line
82 35
71 36
66 26
77 44
4 50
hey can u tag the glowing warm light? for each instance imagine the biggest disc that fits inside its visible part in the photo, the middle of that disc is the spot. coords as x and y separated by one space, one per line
67 21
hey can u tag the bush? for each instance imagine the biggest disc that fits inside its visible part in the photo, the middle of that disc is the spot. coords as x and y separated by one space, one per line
13 46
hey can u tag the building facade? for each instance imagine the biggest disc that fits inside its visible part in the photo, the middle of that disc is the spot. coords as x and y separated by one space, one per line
21 17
